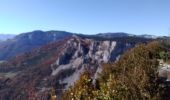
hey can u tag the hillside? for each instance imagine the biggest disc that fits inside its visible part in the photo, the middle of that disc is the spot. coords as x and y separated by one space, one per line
133 77
57 65
31 40
28 41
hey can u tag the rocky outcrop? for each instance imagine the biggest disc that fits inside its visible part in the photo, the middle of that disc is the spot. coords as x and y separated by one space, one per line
164 71
90 54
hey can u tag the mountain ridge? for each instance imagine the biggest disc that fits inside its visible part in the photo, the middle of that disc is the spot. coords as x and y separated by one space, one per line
28 41
31 40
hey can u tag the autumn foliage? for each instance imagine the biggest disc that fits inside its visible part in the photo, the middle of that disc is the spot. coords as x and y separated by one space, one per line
133 77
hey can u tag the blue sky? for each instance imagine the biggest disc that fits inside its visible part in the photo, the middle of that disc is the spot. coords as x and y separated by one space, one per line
86 16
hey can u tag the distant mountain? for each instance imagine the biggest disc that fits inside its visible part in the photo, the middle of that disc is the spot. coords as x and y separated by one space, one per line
111 35
122 34
27 41
4 37
31 40
148 36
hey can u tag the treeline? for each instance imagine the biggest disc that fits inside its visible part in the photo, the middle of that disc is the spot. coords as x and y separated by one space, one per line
133 77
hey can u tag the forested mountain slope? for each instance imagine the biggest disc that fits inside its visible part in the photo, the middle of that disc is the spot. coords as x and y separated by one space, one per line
28 41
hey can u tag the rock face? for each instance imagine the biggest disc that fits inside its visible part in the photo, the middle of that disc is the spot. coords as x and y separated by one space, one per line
81 53
164 71
57 65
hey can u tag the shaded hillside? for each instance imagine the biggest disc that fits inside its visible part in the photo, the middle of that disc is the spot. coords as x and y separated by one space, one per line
32 70
56 66
29 41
